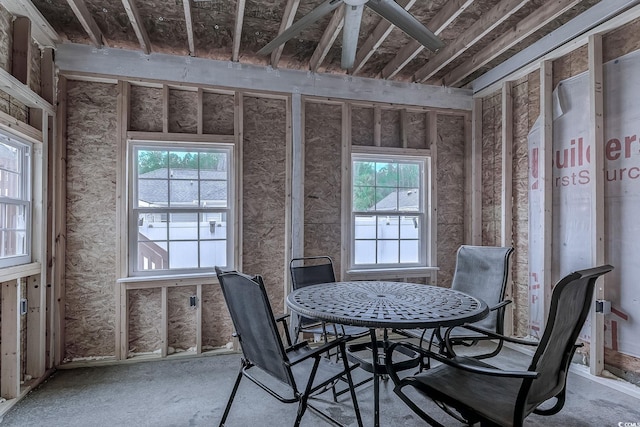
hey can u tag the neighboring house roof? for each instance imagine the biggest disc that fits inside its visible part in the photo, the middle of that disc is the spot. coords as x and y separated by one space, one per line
153 186
403 200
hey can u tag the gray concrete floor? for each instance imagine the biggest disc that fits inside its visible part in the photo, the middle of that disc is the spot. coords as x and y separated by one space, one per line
194 391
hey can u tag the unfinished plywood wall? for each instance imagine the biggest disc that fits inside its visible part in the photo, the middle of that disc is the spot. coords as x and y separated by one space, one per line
264 151
322 180
491 169
91 219
450 203
5 39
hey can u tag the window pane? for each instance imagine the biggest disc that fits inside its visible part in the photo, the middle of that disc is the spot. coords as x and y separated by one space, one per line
213 165
213 194
363 173
410 227
386 174
152 256
409 175
409 251
183 226
364 198
153 193
183 255
365 252
14 243
213 253
388 227
10 157
13 217
365 227
388 252
10 184
213 225
183 163
152 163
386 199
152 228
183 192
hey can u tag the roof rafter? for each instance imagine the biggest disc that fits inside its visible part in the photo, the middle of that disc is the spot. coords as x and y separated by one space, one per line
237 33
136 23
41 30
188 19
483 26
79 8
375 39
523 29
449 12
287 19
328 38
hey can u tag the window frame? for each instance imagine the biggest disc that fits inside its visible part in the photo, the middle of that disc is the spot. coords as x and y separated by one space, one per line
133 211
25 149
424 213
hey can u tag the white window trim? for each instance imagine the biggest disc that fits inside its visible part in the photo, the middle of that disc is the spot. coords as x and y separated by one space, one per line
26 201
132 222
426 264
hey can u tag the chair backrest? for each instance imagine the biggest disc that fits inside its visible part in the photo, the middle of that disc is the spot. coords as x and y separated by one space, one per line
570 304
254 323
307 271
482 272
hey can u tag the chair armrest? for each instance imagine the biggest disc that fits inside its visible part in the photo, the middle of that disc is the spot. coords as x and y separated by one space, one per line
316 352
458 362
500 305
494 335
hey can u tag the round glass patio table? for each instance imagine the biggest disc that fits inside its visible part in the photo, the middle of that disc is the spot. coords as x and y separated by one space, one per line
376 304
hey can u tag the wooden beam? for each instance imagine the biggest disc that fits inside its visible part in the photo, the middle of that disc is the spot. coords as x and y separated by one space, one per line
23 93
473 175
42 31
75 58
47 76
200 118
179 137
431 142
449 12
165 108
546 177
596 111
36 327
599 18
483 26
199 319
506 205
375 39
79 8
297 176
328 38
188 20
287 19
12 124
377 126
137 24
346 201
237 33
164 321
404 127
523 29
21 50
238 125
10 344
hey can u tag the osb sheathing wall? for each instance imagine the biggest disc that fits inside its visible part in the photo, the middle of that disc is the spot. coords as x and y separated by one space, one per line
526 109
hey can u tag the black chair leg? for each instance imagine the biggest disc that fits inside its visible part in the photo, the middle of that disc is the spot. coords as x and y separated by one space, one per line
230 401
352 388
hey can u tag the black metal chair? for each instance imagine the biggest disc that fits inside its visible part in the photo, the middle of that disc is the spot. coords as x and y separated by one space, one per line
314 270
304 370
474 391
482 272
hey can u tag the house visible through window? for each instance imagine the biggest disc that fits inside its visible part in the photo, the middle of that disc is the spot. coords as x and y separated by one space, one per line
388 212
15 201
181 218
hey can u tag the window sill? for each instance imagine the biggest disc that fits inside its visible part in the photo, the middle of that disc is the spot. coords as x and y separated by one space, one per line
392 273
142 282
19 271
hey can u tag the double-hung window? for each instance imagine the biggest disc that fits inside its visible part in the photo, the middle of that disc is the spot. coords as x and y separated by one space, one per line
181 207
15 201
389 212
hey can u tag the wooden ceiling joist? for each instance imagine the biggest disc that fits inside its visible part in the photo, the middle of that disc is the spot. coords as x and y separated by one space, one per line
328 38
375 39
287 19
483 26
79 8
188 20
138 27
449 12
237 33
532 23
41 30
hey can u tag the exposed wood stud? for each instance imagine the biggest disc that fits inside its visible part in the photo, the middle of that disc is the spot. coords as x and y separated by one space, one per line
483 26
238 117
345 219
21 50
165 108
506 217
10 123
596 111
377 126
328 38
164 322
375 39
36 326
79 8
199 319
432 143
200 119
137 24
10 344
179 137
473 165
41 30
449 12
546 177
404 127
287 19
237 33
47 76
532 23
297 176
23 93
188 20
